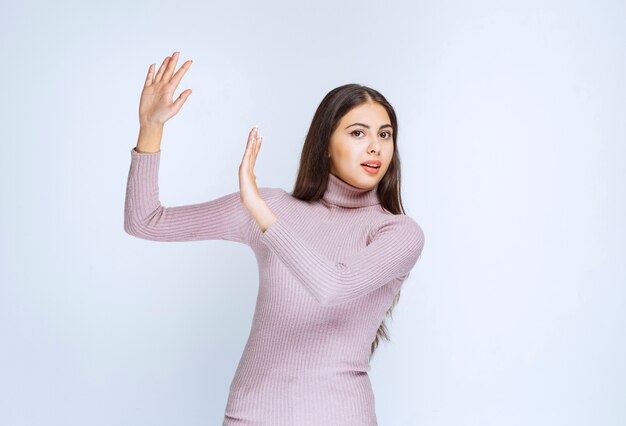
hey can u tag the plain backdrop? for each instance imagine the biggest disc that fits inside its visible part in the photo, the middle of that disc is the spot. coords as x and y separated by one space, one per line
512 140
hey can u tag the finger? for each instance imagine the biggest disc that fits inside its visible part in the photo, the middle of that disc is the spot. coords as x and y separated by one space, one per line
180 73
257 141
182 98
159 73
149 77
251 141
255 135
171 66
249 146
257 148
251 137
253 155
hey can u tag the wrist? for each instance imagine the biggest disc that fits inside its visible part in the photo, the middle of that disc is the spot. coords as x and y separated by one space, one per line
149 140
148 151
151 128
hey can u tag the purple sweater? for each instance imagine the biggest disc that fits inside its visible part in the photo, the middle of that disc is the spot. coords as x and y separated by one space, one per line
328 272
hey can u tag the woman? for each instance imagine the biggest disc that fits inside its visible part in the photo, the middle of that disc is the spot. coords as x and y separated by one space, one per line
332 254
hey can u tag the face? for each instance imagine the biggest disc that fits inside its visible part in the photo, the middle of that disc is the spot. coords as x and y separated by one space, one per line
364 135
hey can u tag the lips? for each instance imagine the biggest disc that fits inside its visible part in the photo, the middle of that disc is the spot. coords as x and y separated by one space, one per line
372 162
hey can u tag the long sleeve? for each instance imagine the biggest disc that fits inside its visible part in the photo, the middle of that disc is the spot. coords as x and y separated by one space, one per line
392 253
224 218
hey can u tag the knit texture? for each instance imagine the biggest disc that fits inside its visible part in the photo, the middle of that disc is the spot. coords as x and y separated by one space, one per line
328 272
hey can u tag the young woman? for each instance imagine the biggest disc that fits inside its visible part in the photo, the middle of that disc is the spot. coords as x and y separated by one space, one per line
332 254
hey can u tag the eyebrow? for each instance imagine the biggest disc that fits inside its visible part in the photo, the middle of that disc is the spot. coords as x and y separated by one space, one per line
366 126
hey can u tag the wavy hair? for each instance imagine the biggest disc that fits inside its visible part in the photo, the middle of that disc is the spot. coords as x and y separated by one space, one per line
314 169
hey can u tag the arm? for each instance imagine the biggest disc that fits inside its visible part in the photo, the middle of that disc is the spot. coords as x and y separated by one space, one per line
394 250
224 218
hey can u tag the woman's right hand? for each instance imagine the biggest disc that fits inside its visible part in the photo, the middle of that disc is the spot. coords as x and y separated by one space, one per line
156 106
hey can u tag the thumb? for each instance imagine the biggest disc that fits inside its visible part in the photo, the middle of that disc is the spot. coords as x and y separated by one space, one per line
180 101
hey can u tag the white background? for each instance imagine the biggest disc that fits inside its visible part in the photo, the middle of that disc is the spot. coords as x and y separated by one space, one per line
511 133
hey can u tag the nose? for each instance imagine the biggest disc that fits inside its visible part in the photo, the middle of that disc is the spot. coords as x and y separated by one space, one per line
374 147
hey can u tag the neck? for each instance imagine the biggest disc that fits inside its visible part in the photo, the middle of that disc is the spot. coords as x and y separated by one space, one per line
343 194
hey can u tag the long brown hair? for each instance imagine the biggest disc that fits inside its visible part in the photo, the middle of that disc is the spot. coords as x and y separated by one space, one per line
314 168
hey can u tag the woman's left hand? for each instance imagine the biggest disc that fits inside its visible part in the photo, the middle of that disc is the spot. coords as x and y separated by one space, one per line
248 188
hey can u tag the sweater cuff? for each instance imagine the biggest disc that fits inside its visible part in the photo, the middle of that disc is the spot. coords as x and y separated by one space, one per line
134 153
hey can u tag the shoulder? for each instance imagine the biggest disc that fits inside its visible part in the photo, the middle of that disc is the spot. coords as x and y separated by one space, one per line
408 223
398 220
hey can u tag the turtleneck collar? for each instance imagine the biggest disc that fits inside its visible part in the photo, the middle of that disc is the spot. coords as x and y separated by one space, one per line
343 194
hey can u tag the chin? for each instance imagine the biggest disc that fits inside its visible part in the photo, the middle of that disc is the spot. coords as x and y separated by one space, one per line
358 180
365 183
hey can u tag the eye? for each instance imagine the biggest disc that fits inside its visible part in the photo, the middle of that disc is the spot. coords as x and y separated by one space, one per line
388 137
352 133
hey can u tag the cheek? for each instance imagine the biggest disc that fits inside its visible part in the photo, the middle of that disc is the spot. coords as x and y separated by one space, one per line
389 155
344 152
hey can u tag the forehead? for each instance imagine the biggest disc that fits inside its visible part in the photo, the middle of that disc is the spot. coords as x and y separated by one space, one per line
367 113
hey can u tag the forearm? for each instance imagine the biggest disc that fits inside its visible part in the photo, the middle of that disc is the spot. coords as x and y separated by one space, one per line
391 254
149 140
261 212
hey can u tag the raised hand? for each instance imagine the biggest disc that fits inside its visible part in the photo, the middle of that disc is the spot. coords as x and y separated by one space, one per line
156 105
248 188
249 192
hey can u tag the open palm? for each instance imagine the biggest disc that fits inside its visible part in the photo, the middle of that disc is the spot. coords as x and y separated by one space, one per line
156 105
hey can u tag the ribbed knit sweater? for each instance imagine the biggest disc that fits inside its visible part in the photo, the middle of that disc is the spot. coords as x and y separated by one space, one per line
328 273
